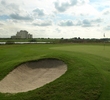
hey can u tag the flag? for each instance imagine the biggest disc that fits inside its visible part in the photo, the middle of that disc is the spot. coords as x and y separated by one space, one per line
104 34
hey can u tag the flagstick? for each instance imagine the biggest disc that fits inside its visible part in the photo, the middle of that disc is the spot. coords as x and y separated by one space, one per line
104 44
104 41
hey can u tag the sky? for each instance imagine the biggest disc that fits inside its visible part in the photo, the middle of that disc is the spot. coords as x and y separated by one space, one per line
55 18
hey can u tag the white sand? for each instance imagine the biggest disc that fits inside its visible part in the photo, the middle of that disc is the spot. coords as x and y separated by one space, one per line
32 75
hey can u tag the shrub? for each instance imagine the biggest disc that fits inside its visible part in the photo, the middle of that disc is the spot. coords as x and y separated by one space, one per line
33 40
10 42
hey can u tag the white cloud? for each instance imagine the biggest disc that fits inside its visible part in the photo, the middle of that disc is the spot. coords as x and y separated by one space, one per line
63 6
66 23
107 27
106 11
1 24
53 18
42 23
85 10
20 17
38 12
8 7
86 23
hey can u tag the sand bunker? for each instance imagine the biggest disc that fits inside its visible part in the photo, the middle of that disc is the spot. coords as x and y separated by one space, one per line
32 75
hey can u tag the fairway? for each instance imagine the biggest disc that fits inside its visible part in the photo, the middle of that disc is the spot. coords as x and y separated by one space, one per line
87 76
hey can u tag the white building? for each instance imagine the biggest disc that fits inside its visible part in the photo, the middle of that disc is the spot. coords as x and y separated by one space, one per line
22 34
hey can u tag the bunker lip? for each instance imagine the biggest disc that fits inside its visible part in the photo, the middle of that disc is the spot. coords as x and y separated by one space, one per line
31 75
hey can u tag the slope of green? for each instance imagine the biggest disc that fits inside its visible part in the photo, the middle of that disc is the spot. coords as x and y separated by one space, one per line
99 50
100 57
87 77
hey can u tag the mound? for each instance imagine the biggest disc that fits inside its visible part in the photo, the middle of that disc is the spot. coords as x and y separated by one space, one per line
32 75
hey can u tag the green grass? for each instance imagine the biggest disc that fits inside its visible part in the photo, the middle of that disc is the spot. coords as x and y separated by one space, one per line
87 77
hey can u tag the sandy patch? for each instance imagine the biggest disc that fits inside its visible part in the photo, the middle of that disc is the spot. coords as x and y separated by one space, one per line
32 75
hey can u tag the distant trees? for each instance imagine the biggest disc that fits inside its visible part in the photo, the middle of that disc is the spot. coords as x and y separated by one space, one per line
10 42
82 40
33 40
57 40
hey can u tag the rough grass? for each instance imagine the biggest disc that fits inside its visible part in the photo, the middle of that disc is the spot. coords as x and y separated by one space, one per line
87 77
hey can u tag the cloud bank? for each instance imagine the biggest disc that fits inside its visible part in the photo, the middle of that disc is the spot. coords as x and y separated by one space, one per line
57 18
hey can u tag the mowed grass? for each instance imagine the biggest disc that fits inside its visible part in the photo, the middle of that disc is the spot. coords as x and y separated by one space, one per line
87 77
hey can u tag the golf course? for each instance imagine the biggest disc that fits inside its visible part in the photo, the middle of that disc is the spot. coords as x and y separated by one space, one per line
85 77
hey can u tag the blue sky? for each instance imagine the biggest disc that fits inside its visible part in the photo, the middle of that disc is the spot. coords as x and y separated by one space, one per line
55 18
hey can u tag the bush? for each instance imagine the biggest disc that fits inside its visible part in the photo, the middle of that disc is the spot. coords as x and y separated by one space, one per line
10 42
33 40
